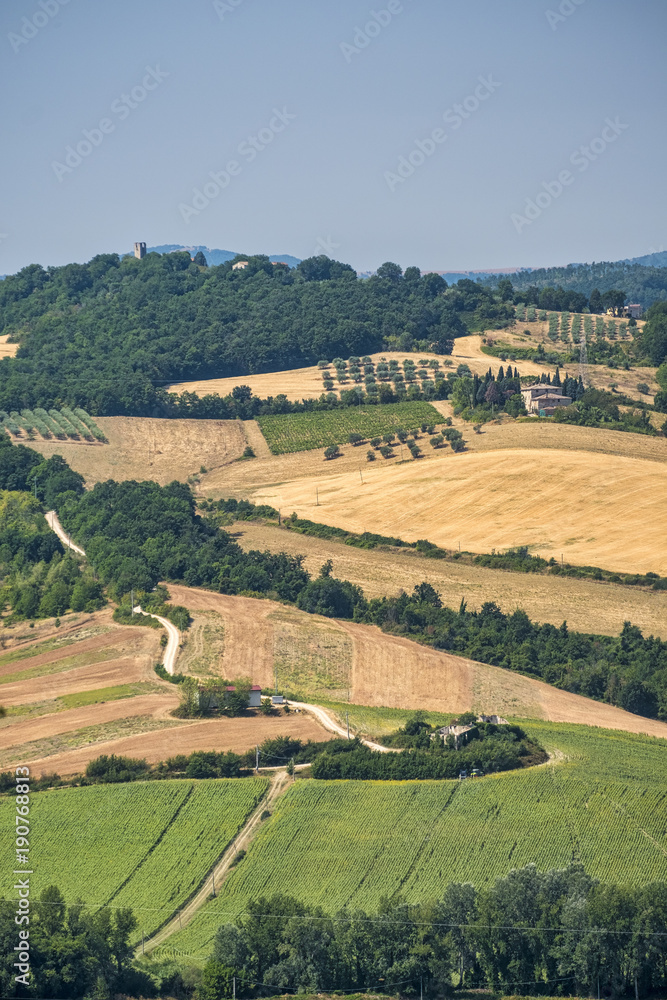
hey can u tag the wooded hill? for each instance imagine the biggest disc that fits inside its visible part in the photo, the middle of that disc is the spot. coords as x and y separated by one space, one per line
109 334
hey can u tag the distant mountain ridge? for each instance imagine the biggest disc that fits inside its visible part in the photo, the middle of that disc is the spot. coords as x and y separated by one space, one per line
215 257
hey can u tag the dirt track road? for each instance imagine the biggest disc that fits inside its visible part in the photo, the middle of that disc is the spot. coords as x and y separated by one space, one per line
173 642
333 726
55 525
217 876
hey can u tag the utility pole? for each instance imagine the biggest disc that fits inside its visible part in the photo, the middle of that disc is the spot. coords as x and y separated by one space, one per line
317 497
213 882
142 943
275 674
279 517
132 602
234 987
347 716
256 759
361 477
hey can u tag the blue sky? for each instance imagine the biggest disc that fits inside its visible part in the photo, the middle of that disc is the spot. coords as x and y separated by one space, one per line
304 111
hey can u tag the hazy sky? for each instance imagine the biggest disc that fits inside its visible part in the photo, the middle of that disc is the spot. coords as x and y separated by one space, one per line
304 111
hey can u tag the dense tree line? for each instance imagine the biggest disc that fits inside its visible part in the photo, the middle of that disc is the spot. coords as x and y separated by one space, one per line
110 334
353 760
558 932
640 284
136 534
74 951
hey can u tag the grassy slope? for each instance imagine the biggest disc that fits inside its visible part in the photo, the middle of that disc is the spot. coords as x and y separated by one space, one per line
148 846
350 843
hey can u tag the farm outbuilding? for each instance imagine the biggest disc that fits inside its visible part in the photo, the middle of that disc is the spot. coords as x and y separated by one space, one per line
461 734
496 720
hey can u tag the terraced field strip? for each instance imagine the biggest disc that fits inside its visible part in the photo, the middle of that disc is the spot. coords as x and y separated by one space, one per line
144 845
350 843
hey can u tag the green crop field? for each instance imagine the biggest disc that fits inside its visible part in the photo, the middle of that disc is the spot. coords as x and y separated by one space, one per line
147 845
350 843
319 429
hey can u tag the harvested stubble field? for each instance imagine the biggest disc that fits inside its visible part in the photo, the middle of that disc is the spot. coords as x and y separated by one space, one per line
551 599
590 508
327 657
148 448
349 843
296 432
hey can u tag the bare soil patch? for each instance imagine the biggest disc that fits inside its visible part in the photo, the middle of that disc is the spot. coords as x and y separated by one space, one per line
124 670
156 705
237 735
149 448
550 599
119 640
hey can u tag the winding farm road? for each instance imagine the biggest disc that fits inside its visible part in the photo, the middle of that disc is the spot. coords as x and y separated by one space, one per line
55 525
174 636
322 716
173 641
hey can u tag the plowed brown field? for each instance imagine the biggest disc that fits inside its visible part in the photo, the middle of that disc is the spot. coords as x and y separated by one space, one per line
390 671
126 670
237 735
157 705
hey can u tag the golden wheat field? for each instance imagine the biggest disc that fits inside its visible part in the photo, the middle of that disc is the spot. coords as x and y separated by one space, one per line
590 508
150 448
550 599
324 658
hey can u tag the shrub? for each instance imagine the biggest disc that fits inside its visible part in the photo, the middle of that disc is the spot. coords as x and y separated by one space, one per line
333 451
370 456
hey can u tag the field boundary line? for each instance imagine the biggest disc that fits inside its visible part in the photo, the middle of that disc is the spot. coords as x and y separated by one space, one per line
217 875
